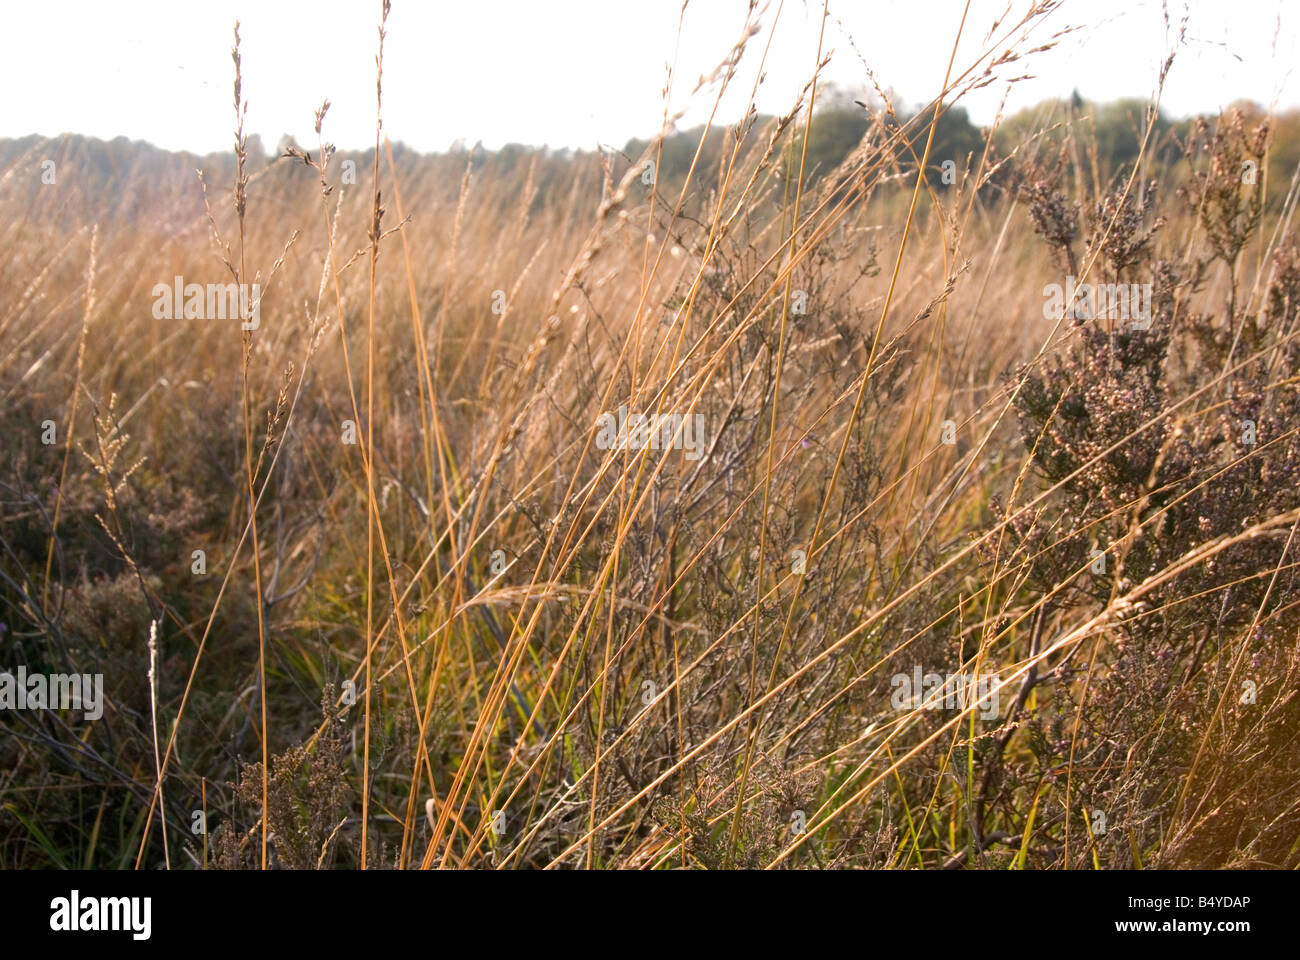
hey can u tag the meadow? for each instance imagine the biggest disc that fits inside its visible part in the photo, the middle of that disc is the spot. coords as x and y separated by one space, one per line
716 502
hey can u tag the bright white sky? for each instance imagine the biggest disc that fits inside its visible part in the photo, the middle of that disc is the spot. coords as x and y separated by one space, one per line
571 72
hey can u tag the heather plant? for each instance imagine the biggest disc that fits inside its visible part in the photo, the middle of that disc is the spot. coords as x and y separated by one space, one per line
1164 509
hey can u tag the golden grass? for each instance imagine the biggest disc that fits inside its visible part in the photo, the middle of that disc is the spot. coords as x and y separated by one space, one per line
567 655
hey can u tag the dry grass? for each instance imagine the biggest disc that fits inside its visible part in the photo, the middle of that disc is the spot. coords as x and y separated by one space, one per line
550 653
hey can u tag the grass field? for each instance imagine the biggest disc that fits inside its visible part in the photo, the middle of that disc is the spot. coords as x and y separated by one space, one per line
894 563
